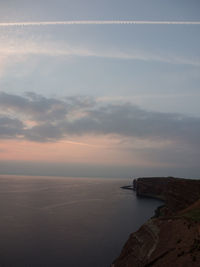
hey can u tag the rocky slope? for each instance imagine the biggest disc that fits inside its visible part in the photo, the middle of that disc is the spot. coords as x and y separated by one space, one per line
172 237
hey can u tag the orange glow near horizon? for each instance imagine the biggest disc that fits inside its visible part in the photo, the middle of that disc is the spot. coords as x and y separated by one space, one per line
95 150
87 149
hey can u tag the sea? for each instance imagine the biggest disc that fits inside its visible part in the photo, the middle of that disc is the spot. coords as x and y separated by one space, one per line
67 221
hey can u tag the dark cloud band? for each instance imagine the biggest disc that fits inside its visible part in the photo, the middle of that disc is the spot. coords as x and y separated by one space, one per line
56 118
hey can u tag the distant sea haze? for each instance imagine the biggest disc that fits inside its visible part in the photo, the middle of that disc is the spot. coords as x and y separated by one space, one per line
75 222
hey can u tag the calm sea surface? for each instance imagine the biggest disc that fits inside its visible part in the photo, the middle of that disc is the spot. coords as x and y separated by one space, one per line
71 222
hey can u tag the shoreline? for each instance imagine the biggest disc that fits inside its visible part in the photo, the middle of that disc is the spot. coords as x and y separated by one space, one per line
172 235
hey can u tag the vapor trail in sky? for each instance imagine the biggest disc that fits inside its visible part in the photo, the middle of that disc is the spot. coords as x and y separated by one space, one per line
98 22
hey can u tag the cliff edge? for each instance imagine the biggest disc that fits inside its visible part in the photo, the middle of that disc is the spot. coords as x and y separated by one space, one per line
172 236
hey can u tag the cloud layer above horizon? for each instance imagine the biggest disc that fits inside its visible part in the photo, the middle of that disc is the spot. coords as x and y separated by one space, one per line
47 119
87 130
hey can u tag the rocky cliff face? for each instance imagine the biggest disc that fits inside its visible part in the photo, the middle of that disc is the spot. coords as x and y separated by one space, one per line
176 192
171 238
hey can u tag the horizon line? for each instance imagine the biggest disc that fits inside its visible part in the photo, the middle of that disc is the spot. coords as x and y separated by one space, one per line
97 22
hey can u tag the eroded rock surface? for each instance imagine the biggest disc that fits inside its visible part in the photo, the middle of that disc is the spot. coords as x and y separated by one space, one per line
173 237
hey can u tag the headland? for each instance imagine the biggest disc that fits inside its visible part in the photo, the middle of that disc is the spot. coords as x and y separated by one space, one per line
172 235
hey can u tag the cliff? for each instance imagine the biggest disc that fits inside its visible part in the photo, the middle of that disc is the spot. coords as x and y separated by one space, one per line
172 236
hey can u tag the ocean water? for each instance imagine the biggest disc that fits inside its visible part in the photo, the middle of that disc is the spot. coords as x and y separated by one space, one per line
71 222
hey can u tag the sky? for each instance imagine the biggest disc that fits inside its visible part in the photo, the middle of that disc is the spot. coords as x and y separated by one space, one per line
99 99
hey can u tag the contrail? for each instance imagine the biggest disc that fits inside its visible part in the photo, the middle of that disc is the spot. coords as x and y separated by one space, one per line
97 22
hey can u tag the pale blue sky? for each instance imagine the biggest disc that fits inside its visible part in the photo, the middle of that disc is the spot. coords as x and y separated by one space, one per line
137 61
153 67
94 9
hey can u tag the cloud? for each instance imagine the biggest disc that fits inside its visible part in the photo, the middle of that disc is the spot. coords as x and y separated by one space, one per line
97 22
40 108
27 46
129 120
10 128
54 119
21 48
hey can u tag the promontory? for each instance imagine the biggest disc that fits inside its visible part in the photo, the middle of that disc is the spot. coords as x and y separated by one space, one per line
172 236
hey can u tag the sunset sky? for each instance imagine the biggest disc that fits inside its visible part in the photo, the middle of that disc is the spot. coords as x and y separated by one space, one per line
113 100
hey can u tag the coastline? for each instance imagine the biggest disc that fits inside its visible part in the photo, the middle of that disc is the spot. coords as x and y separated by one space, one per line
172 235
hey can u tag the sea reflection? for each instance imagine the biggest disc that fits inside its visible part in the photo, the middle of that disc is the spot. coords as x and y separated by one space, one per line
54 221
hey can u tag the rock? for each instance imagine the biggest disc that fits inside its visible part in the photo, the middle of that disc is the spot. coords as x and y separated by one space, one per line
172 236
